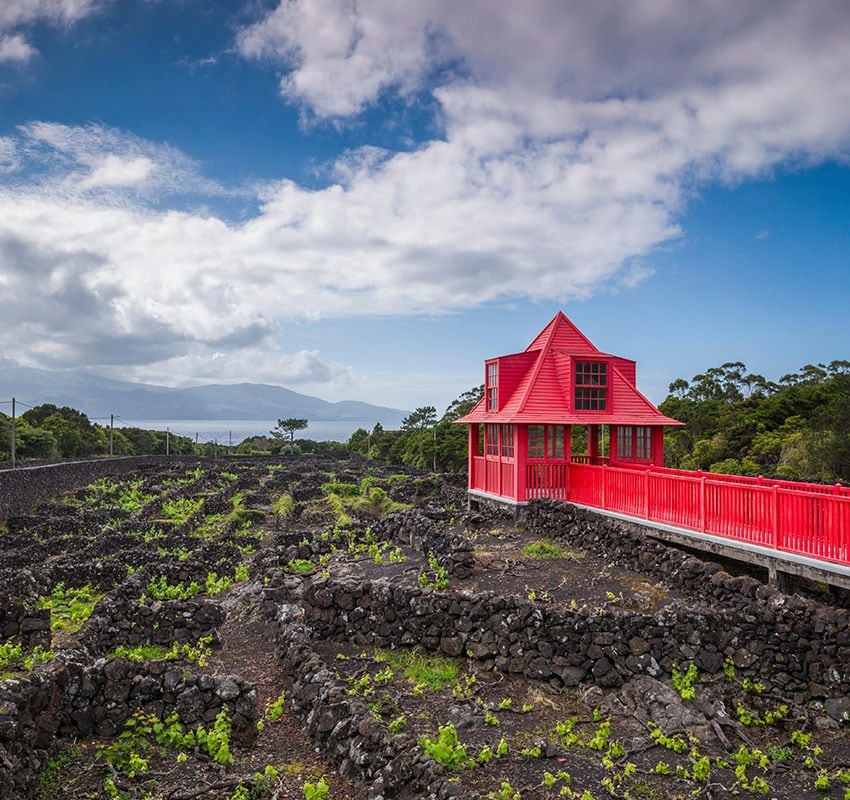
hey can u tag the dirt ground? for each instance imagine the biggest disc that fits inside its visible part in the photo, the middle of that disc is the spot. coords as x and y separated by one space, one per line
515 738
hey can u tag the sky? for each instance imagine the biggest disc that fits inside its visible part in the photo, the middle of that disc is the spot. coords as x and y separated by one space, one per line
364 200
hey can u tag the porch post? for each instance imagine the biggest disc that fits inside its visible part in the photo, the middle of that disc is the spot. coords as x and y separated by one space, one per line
613 437
657 445
473 451
520 462
593 443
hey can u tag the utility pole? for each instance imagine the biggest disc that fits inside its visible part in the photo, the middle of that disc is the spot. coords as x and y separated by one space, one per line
230 443
13 433
167 442
111 425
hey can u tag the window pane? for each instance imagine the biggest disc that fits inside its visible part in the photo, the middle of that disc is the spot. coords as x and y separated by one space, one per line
624 441
589 399
535 441
555 441
591 373
492 439
493 387
644 442
508 441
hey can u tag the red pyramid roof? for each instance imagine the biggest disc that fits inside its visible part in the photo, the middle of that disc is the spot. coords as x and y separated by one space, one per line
544 393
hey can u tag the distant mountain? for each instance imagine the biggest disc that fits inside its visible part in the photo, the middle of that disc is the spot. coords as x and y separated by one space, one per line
99 397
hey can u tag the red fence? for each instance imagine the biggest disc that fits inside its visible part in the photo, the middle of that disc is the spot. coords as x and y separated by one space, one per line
803 518
806 519
546 480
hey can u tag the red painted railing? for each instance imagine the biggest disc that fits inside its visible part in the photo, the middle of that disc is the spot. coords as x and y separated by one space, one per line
546 480
807 519
803 518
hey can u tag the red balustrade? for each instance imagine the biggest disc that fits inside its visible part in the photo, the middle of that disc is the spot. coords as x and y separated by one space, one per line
807 519
546 480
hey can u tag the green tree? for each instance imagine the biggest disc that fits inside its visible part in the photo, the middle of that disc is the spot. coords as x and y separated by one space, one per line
34 442
422 417
288 427
359 441
741 422
74 433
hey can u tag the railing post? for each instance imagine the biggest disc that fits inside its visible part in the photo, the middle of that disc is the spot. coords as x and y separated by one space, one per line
604 486
646 495
774 510
702 525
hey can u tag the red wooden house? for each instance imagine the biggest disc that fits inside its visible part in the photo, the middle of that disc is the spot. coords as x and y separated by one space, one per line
521 433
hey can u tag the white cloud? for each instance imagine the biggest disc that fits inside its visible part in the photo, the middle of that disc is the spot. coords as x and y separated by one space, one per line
572 137
266 364
114 171
15 48
100 160
9 160
15 14
18 12
345 58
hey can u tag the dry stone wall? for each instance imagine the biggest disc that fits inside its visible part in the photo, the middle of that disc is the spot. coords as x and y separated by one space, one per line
788 641
82 693
391 766
604 646
23 489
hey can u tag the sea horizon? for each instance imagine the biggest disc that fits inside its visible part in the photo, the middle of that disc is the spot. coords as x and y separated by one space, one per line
226 431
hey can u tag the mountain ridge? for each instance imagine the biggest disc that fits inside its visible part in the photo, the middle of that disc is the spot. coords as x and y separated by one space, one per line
98 396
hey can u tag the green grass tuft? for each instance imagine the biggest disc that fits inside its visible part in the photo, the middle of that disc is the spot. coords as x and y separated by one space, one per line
544 549
431 672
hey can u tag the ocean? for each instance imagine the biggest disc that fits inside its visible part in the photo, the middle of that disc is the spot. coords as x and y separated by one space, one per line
236 430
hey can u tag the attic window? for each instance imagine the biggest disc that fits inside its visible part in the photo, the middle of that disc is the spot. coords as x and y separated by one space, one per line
591 386
493 387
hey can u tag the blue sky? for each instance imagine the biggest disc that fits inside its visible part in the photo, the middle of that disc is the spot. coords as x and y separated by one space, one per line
366 200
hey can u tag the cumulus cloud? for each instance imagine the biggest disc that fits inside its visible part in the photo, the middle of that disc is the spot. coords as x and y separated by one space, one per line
572 134
15 14
15 48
